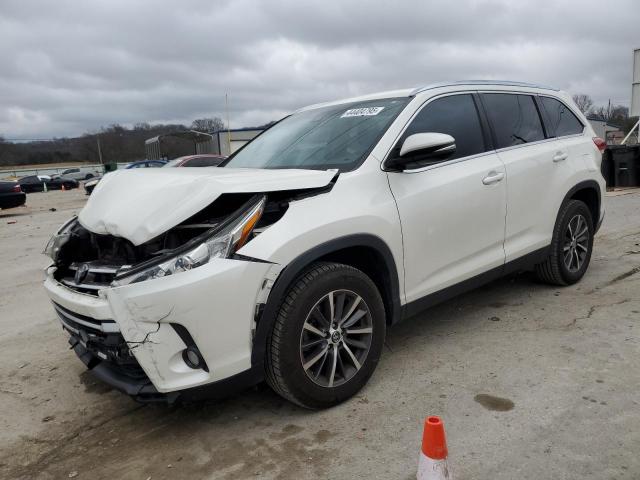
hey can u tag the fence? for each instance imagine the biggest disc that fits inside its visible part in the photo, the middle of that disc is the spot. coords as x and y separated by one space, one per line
44 170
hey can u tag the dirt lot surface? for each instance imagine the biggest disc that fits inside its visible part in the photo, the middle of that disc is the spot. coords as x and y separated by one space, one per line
533 382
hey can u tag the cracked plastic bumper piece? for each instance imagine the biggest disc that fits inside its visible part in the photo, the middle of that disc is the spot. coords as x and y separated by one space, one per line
215 303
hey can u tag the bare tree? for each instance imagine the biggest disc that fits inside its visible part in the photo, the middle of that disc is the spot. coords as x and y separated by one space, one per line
4 147
583 101
207 124
142 126
617 114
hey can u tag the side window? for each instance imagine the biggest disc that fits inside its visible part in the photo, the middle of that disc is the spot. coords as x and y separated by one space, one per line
514 118
561 121
455 115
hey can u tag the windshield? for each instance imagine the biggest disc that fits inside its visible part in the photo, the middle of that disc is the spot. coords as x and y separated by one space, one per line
323 138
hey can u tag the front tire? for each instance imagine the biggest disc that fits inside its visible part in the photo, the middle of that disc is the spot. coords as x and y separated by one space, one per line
571 246
327 338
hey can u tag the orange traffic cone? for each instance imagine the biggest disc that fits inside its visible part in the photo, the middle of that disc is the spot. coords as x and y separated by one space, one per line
433 455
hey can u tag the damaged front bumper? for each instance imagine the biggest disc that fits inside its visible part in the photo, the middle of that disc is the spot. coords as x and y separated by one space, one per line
215 304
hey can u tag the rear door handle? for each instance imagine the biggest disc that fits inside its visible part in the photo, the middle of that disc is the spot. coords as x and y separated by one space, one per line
560 156
493 177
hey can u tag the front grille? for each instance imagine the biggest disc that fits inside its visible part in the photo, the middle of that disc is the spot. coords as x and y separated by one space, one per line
77 322
102 338
87 277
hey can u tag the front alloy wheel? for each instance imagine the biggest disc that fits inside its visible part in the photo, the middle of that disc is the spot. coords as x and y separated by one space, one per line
328 336
336 337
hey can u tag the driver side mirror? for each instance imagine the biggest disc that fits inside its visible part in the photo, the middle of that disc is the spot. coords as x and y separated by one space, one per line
423 149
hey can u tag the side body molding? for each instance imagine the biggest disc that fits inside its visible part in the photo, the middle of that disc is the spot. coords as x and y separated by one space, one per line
268 316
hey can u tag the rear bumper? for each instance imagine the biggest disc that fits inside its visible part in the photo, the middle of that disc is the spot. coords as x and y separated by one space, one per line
215 303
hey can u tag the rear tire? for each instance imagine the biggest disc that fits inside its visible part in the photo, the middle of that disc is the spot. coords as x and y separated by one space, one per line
571 246
318 355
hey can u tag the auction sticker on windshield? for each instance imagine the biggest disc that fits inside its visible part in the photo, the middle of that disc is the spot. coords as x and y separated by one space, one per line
362 112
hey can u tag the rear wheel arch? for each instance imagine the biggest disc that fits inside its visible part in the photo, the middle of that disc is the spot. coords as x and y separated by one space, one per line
366 252
588 192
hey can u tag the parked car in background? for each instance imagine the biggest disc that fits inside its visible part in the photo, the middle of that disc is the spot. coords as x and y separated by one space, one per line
146 164
11 195
36 183
291 260
80 173
201 160
89 185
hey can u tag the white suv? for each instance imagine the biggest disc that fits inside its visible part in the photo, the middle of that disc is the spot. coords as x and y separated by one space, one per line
289 263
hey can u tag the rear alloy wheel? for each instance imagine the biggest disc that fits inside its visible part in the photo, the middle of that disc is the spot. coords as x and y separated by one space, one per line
571 246
328 336
576 243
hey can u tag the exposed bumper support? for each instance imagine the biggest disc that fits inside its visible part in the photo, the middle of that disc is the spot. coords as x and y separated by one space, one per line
143 390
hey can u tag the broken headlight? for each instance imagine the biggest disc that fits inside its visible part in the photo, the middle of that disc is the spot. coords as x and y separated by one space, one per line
59 238
219 242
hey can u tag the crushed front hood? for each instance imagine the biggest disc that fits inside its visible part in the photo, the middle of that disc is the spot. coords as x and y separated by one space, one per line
141 204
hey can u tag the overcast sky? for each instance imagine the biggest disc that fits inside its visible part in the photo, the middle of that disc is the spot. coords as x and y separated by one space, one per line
68 67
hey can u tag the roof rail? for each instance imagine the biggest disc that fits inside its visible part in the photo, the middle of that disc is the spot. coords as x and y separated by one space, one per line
507 83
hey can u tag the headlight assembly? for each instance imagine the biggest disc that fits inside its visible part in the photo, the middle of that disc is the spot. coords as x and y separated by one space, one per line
59 238
220 242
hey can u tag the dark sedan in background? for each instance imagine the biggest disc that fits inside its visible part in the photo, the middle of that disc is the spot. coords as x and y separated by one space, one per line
11 195
36 183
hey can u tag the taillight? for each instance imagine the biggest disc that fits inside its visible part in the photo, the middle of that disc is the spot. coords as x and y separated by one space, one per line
600 143
16 188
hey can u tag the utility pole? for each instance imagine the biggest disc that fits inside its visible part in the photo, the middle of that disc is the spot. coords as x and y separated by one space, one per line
99 150
226 103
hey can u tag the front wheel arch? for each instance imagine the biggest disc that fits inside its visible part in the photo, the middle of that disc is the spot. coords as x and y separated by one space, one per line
331 250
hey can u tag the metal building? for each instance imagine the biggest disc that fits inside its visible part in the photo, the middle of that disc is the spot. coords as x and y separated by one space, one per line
221 142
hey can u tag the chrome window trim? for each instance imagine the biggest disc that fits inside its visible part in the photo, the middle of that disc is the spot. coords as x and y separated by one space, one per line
482 154
546 140
450 162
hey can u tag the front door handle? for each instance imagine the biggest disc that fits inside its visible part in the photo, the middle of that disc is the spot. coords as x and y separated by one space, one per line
493 177
560 156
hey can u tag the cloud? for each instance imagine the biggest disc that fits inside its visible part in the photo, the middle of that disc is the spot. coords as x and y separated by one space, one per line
69 67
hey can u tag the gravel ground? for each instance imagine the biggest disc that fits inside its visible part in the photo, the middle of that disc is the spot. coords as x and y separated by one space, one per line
533 382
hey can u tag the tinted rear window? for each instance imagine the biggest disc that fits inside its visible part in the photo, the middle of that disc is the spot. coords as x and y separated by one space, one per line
561 121
514 118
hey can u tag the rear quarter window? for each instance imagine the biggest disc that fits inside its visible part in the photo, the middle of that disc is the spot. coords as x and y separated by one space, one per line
561 120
